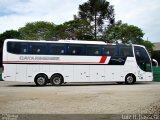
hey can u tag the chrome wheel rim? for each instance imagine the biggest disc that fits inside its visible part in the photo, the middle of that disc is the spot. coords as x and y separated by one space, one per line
130 79
41 80
57 80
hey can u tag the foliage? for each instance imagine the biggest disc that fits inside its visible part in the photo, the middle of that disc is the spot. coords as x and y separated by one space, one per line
38 31
9 34
149 46
97 12
123 32
74 29
95 21
126 34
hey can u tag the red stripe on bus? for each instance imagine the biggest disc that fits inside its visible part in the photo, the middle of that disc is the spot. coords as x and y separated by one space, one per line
103 59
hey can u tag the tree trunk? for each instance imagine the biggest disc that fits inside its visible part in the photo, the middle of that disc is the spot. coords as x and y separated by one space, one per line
95 26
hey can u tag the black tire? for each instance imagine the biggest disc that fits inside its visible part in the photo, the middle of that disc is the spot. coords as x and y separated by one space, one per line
120 83
130 79
41 80
56 80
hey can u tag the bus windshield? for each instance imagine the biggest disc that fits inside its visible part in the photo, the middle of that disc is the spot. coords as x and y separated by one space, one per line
143 59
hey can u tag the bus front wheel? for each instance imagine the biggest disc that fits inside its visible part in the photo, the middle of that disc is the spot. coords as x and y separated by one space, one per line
41 80
56 79
130 79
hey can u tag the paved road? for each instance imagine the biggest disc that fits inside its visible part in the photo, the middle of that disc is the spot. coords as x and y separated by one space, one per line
101 98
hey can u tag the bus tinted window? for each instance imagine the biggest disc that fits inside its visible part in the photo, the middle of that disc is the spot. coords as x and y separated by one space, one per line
75 49
109 50
125 51
17 47
38 48
142 59
57 49
23 48
72 49
93 50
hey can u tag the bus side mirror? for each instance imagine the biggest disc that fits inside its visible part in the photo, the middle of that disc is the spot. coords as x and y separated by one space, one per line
154 63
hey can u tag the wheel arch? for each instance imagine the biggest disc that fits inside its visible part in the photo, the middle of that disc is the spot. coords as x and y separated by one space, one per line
39 75
58 74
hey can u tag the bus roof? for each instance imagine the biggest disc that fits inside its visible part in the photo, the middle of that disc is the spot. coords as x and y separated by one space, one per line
71 41
60 41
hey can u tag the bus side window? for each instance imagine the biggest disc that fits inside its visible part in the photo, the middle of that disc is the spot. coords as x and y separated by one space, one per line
62 51
38 48
108 50
126 51
96 52
12 47
24 48
56 49
74 52
75 49
93 50
17 47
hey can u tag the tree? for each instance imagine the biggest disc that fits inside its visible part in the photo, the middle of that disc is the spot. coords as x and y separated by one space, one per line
123 32
9 34
97 12
149 46
126 34
38 31
74 29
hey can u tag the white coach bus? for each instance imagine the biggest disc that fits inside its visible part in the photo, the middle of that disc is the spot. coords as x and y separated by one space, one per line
63 61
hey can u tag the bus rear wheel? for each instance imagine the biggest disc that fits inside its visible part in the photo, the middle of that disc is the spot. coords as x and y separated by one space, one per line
56 79
41 80
130 79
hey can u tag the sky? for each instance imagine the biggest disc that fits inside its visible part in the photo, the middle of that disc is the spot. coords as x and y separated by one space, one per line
14 14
